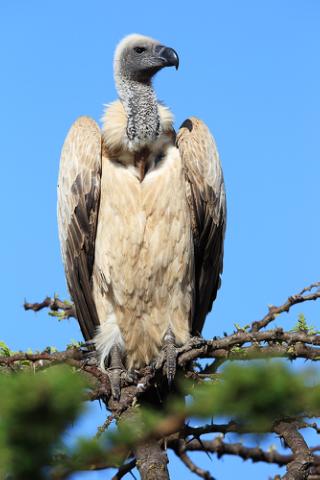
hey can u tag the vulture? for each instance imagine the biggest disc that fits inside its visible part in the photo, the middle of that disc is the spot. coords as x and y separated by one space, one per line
141 217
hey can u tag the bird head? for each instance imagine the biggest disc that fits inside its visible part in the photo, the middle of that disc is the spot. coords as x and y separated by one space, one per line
139 58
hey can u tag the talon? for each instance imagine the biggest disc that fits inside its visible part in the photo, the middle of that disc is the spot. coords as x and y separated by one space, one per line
91 360
89 353
131 376
195 341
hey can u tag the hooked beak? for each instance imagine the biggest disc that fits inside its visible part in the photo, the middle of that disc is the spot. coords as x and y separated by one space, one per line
167 55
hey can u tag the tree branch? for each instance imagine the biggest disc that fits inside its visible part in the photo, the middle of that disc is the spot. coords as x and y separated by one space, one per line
224 347
72 355
180 451
221 448
124 469
244 344
58 308
279 344
151 461
299 467
292 300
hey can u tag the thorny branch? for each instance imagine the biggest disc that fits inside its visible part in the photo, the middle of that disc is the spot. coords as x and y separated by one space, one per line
57 308
278 344
285 307
298 468
124 469
180 445
179 448
244 344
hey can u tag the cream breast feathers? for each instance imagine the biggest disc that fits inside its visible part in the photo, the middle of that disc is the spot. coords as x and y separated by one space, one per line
114 126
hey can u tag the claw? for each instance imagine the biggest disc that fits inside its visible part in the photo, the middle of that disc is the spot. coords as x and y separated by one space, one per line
89 354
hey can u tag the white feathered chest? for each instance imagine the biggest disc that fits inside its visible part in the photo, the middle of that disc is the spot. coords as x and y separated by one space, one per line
142 248
143 268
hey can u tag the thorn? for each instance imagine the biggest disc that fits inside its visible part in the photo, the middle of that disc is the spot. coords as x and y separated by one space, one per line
190 440
204 449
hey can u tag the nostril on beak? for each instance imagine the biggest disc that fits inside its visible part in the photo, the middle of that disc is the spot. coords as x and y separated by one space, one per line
169 55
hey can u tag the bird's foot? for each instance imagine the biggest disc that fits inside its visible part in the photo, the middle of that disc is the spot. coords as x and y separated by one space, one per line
117 373
89 353
169 356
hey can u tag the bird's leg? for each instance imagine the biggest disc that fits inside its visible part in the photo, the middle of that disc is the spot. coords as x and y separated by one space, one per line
170 355
115 371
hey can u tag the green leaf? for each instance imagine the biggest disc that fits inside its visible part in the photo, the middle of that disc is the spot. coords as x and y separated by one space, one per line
302 326
4 349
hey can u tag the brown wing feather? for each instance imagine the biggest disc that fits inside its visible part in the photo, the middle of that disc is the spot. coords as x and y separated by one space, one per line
207 204
78 204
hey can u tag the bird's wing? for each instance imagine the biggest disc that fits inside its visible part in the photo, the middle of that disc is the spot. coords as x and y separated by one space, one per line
78 204
207 204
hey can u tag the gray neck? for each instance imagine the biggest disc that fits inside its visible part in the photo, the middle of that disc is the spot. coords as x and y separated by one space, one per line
140 103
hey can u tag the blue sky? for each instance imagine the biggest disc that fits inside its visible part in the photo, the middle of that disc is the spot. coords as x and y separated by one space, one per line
249 69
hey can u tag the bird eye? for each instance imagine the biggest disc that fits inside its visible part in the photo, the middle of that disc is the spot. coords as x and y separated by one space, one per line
139 49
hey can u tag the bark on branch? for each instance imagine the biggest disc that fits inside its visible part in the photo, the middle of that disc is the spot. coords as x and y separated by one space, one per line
299 467
285 307
58 308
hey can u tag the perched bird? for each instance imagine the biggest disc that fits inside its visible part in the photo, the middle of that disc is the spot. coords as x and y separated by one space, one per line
141 214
